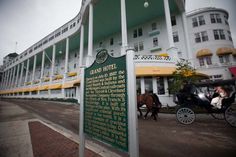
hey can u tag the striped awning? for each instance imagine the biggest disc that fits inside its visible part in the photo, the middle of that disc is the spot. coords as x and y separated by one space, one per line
224 51
204 52
234 52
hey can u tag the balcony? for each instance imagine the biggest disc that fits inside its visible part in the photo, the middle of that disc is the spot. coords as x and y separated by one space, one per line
153 33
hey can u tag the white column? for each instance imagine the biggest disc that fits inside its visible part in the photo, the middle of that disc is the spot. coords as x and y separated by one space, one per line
10 78
168 23
123 27
13 78
21 74
27 71
81 50
67 54
34 67
189 52
2 82
90 35
6 78
166 86
142 85
66 65
53 61
42 66
17 75
154 84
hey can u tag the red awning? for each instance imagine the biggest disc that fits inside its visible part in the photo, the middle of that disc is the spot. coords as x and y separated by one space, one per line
233 70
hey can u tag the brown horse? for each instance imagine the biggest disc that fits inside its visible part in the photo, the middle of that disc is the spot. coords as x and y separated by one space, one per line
152 103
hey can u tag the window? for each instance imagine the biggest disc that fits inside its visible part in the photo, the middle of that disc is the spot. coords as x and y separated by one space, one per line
57 34
197 37
160 86
216 34
222 35
175 37
141 47
154 26
224 59
148 84
226 20
201 61
219 34
215 18
229 35
173 20
155 41
52 37
137 32
45 41
218 19
136 47
194 22
208 60
201 20
140 32
204 36
111 41
64 30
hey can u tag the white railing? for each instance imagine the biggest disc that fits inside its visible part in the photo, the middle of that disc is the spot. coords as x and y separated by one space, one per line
156 58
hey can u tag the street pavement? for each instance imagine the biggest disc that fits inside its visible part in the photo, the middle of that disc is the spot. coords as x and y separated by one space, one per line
164 137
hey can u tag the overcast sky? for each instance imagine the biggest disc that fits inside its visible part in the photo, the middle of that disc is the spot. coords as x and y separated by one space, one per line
28 21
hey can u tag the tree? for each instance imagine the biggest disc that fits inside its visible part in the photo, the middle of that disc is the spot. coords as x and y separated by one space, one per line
183 72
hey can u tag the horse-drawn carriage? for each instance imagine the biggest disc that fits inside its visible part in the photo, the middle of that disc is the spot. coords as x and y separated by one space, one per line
201 96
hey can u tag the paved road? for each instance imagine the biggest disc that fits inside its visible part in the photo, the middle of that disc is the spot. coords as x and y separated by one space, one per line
164 138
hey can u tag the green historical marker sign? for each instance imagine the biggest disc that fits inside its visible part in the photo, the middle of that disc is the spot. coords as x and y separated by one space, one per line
105 100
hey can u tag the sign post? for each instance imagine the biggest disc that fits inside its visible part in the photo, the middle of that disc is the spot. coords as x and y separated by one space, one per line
109 102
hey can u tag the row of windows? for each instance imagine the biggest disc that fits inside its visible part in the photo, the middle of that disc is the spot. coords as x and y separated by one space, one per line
215 18
207 60
219 34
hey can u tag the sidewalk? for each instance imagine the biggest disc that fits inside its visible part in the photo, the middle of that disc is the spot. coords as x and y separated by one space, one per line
22 135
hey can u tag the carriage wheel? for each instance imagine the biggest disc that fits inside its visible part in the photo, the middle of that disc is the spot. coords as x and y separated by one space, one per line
230 115
185 115
219 116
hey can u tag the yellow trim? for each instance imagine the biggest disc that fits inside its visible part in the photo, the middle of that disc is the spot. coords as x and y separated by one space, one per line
224 51
77 81
33 89
71 83
55 86
204 52
163 55
45 87
68 85
154 71
71 74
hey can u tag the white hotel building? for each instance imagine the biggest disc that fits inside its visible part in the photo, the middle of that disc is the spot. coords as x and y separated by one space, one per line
161 34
